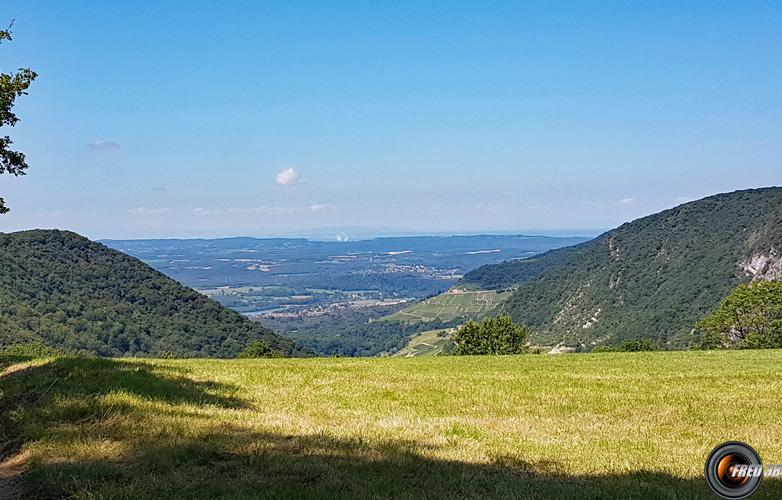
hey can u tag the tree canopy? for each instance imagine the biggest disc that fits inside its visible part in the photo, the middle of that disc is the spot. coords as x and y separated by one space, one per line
751 316
258 349
12 85
491 336
65 291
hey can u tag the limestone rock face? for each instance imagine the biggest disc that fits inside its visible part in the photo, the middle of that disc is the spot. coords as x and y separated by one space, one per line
562 349
763 266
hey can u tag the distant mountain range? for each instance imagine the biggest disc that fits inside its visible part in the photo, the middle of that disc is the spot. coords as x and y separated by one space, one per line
63 290
653 277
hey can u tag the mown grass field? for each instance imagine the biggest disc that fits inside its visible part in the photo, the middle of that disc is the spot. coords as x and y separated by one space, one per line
619 425
451 305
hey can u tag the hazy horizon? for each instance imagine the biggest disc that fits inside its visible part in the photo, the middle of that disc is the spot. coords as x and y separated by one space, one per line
359 234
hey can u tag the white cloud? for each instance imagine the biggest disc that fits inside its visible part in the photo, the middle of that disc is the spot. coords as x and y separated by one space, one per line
262 210
595 205
626 201
273 210
103 146
342 237
147 211
287 177
322 207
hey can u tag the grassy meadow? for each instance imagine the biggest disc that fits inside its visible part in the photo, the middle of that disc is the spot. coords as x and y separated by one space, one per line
619 425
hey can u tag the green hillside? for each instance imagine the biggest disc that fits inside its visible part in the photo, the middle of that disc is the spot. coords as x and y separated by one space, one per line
453 305
654 277
63 290
513 272
592 426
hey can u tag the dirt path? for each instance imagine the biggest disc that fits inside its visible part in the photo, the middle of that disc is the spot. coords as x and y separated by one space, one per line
12 467
11 470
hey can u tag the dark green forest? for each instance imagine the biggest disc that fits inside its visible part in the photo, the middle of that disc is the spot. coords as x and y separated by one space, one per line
514 272
654 277
63 290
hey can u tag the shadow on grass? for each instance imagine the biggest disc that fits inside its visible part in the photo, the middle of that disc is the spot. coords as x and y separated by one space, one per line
230 461
233 464
69 389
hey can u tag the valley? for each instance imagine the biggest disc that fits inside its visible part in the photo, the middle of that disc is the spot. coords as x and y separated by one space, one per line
273 275
390 250
330 296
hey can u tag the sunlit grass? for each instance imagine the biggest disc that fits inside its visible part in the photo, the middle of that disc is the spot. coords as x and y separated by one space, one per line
600 425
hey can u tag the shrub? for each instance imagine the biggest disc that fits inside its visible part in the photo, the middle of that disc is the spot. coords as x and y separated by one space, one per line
258 349
751 317
491 336
639 344
30 350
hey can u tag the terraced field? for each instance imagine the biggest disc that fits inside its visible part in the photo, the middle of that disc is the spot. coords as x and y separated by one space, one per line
453 305
429 343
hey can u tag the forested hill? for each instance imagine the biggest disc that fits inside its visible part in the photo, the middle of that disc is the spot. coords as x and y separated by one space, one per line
653 277
66 291
514 272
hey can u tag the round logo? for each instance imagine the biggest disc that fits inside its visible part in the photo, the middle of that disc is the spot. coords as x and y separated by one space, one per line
734 470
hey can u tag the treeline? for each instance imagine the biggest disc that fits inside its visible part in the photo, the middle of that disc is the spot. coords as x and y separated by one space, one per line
65 291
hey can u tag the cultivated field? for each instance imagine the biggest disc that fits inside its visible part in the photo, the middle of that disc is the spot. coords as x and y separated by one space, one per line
428 343
453 305
620 425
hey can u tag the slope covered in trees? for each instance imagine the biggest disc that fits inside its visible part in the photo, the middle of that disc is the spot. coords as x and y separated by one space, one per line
513 272
751 316
654 277
66 291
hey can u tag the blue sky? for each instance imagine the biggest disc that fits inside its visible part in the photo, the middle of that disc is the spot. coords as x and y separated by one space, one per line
176 118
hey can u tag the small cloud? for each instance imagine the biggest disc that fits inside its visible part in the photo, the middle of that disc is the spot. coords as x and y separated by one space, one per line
273 210
627 201
342 237
147 211
261 210
595 205
103 146
287 177
322 207
159 189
